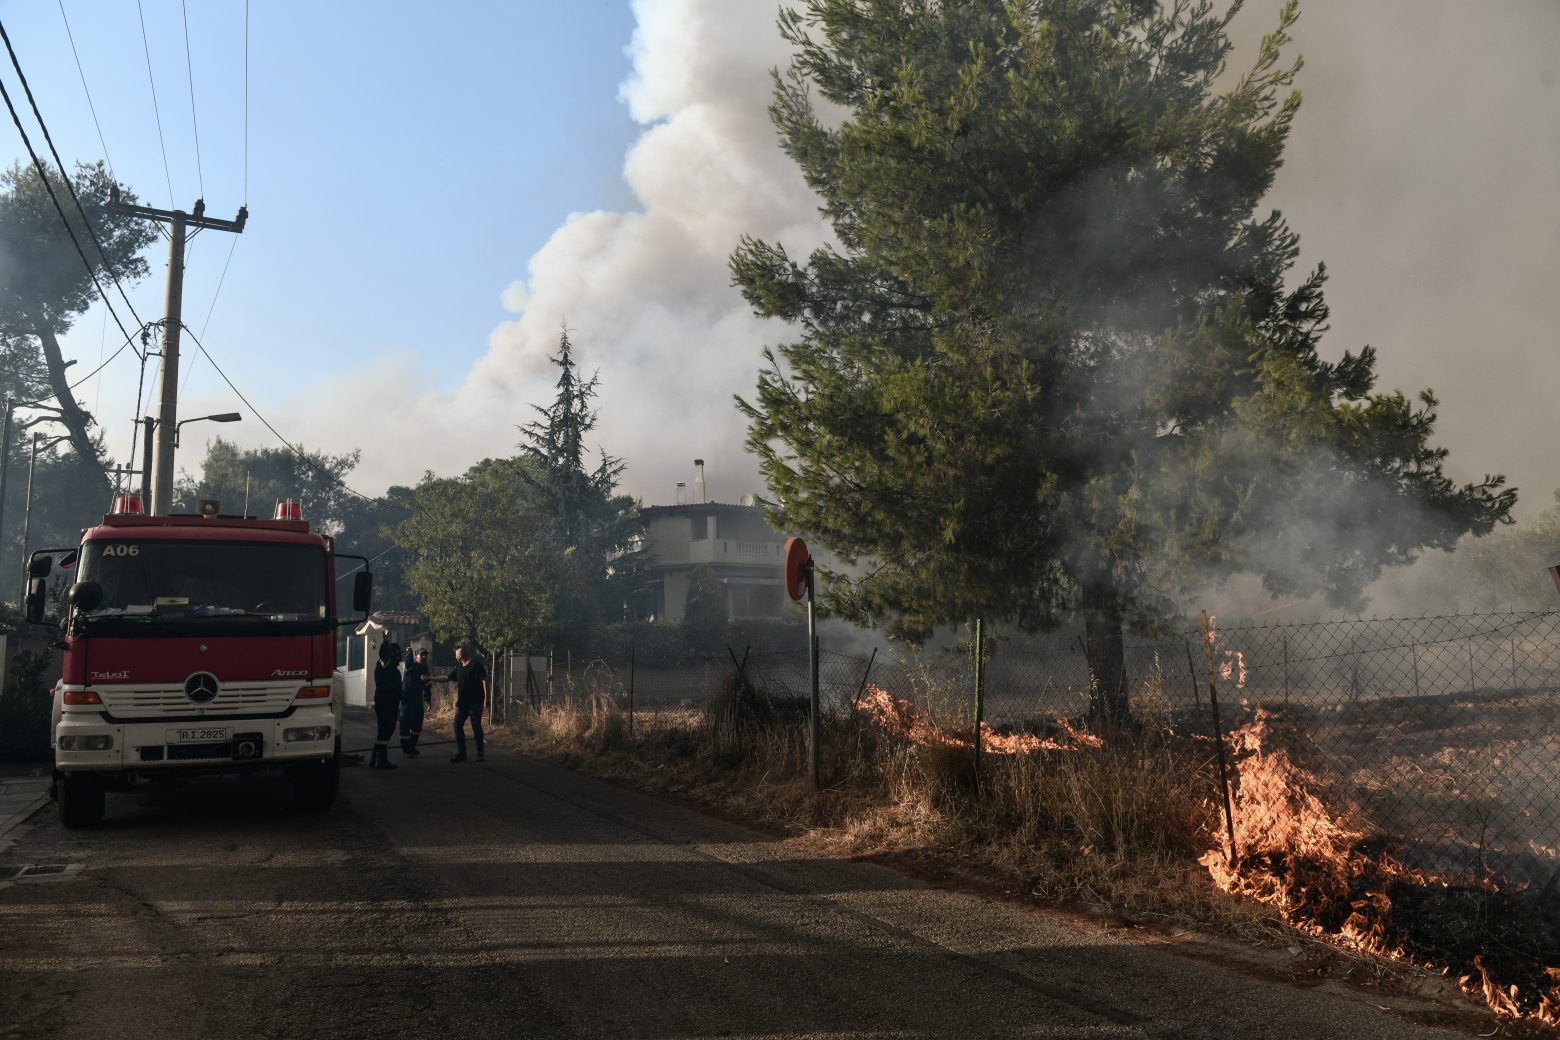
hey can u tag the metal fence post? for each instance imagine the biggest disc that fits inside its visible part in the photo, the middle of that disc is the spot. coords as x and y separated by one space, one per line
862 687
1192 670
980 693
1218 741
1286 669
631 691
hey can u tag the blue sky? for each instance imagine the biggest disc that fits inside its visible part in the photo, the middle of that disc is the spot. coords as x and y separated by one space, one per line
434 192
402 164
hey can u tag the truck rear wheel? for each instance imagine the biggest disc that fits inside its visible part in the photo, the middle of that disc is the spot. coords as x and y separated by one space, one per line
315 784
81 800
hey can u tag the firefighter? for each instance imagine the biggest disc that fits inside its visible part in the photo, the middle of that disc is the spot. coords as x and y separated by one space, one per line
387 701
416 691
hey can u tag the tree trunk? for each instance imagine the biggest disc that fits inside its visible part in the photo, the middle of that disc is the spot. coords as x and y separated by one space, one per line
77 423
1103 649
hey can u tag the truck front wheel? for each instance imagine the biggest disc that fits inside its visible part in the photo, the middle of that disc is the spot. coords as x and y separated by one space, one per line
315 784
81 800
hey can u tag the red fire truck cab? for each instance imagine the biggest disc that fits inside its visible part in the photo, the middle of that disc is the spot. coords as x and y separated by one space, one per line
196 644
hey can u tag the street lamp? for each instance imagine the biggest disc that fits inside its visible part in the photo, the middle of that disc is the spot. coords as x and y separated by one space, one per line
146 458
220 417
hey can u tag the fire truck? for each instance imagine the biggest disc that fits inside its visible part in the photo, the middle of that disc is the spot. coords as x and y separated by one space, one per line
196 644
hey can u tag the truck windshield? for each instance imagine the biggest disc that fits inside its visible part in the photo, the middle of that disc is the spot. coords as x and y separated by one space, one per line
206 585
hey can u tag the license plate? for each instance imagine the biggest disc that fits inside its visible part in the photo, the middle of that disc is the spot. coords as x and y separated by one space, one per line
198 736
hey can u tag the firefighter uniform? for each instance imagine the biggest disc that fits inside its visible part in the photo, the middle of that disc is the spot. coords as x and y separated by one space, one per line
387 702
416 691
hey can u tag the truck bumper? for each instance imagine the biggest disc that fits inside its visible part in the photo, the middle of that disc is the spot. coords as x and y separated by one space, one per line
84 742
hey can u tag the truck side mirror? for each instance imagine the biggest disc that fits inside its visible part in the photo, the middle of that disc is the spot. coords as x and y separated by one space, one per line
40 566
37 594
85 596
362 592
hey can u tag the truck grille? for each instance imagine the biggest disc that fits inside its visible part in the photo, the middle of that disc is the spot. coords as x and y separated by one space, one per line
232 700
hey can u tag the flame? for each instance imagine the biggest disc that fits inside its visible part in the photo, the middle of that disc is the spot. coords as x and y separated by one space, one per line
1293 852
899 717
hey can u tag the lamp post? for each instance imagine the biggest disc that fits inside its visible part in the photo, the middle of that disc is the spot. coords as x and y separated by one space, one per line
146 460
5 461
32 468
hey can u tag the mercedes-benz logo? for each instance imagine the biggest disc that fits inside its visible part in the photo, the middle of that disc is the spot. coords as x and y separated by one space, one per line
201 687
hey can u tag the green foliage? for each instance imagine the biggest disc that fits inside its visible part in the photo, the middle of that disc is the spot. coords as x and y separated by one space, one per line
1052 366
482 556
367 528
258 478
24 709
44 286
706 605
704 614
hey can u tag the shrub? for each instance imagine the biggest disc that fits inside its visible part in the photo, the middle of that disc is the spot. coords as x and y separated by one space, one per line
24 709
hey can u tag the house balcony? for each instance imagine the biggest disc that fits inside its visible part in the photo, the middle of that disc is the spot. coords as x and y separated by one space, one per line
733 551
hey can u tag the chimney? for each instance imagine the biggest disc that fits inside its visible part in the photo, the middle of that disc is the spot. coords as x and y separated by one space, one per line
698 481
682 493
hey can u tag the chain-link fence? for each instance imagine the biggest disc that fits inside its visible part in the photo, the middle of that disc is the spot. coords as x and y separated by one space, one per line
1437 735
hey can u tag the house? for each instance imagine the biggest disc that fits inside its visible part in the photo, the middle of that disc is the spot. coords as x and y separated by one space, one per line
746 554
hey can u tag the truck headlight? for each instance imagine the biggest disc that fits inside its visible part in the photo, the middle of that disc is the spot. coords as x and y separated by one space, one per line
302 734
86 742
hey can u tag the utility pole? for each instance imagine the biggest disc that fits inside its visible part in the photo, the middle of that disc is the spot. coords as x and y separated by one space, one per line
168 370
5 463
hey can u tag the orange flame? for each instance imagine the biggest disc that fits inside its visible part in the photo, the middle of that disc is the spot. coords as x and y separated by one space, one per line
1293 852
903 719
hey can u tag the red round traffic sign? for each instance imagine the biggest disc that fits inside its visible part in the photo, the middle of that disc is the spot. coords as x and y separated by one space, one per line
796 560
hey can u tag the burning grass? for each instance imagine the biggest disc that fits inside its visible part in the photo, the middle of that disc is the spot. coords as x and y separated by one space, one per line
1324 871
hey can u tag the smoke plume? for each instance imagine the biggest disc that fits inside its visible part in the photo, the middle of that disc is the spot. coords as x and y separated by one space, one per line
1420 170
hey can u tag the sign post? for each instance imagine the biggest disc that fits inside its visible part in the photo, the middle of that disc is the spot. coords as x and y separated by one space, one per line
799 579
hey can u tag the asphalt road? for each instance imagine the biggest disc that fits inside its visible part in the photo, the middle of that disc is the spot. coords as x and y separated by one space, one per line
513 899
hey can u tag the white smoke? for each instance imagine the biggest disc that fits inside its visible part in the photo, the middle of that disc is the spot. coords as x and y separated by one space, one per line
645 294
1422 183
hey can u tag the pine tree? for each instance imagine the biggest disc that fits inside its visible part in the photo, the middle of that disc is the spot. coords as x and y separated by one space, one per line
592 528
1052 367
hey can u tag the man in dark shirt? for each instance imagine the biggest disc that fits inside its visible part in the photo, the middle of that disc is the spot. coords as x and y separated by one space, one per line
471 693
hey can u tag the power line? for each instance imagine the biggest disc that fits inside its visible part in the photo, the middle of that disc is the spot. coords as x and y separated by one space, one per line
65 176
156 111
90 106
53 396
246 102
302 456
189 67
140 389
104 365
222 278
43 176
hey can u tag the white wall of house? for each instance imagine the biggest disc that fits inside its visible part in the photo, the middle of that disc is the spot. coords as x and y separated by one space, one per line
747 555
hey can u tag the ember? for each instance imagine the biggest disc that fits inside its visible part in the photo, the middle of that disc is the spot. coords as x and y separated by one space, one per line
1328 876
